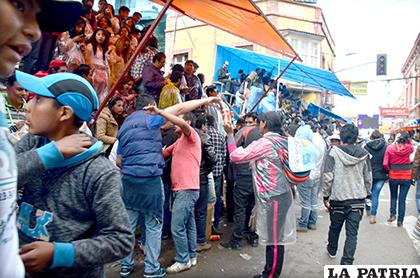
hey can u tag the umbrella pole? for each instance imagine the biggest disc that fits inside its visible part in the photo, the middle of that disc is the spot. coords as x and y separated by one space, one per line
133 57
278 96
273 83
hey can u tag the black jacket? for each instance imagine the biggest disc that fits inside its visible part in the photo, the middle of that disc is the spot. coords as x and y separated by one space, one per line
243 138
377 149
208 156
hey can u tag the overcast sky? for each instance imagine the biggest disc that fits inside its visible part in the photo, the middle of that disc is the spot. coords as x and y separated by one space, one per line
368 28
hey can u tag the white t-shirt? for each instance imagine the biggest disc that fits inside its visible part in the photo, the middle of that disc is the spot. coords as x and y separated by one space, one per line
11 263
113 155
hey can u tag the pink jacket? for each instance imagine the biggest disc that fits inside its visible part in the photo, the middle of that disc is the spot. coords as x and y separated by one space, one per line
267 170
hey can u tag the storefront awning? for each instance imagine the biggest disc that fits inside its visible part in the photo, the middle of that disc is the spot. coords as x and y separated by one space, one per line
241 18
249 61
315 110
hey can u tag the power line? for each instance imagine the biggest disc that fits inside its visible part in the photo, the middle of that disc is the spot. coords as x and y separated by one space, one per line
394 79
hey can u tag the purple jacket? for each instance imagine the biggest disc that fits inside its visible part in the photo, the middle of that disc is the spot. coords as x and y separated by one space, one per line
153 81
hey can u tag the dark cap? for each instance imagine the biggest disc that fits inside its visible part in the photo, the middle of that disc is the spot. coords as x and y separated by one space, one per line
59 15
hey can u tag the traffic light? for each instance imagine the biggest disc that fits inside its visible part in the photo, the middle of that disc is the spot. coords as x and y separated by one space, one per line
381 64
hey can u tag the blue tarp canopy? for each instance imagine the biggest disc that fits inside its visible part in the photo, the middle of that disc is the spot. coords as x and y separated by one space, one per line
249 61
315 110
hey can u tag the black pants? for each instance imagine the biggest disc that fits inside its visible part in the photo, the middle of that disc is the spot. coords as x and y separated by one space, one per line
276 219
201 210
338 216
244 199
274 258
230 203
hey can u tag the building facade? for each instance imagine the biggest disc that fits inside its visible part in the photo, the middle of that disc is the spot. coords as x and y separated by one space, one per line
302 25
411 73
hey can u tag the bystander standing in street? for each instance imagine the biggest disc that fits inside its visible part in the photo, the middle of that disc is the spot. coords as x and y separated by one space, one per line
275 217
19 28
81 222
186 154
219 143
347 183
376 147
397 162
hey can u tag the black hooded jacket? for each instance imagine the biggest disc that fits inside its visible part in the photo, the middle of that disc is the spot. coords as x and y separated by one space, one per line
377 149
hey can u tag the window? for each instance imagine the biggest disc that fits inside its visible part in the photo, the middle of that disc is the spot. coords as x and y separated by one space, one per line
294 43
272 6
307 49
246 47
180 58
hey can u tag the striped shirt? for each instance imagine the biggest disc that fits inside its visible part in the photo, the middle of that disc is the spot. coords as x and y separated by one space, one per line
219 142
13 115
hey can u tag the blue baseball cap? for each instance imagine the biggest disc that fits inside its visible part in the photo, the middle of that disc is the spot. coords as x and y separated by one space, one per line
67 88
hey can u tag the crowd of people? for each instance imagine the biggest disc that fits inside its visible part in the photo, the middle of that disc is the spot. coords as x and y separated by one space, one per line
165 156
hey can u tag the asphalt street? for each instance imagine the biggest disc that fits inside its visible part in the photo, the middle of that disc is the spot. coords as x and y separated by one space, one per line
381 243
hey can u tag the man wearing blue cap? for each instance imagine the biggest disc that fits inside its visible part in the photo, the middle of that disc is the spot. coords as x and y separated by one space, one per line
71 217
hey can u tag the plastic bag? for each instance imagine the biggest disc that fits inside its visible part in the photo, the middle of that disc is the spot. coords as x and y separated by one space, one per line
303 155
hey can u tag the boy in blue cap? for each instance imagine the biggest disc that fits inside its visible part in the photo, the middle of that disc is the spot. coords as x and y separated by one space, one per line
71 217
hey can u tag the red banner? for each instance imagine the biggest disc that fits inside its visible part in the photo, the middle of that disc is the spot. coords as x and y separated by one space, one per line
393 111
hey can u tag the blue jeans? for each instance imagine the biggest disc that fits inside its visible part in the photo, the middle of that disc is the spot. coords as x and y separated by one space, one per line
153 233
201 211
401 195
418 197
376 190
184 233
219 203
351 216
308 193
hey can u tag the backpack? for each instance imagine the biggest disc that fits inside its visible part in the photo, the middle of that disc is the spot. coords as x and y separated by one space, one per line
280 146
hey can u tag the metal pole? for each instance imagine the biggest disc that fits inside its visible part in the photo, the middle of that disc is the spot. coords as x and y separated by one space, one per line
278 98
133 57
272 84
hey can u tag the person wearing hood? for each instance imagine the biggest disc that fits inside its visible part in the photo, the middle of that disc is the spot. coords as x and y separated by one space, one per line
275 214
71 218
397 162
347 183
309 190
376 147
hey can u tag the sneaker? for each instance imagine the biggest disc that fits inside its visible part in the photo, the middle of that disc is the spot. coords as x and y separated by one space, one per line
203 247
391 218
178 267
330 254
125 271
193 261
312 227
161 272
372 220
253 241
215 231
233 244
301 229
399 224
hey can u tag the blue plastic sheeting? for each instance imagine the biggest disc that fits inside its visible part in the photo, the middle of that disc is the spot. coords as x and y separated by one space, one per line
249 61
315 110
414 122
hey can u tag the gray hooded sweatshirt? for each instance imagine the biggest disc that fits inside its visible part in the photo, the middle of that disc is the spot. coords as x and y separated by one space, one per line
74 203
347 175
